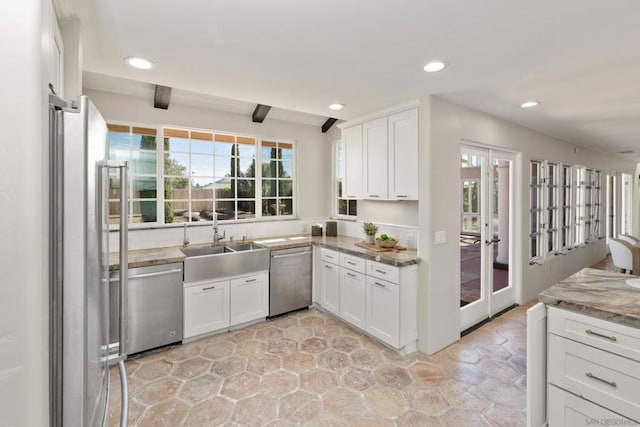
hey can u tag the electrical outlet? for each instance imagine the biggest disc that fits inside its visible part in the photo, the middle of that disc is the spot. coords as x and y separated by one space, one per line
441 237
411 241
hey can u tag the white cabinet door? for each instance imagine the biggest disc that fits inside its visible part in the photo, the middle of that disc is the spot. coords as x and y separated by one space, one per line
352 139
403 155
375 163
383 310
353 297
330 280
537 366
566 409
249 298
206 308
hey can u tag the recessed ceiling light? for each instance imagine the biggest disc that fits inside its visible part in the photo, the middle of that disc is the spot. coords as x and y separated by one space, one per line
139 63
336 106
529 104
434 66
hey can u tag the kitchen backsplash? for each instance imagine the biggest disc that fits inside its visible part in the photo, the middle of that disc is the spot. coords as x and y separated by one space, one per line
149 238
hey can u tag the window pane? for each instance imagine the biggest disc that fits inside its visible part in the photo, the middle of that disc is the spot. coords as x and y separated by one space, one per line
224 149
339 189
202 189
269 187
118 154
269 207
119 140
268 153
247 168
225 166
286 207
246 150
225 188
225 210
287 170
342 207
270 169
176 144
143 142
202 210
201 147
144 211
353 207
286 188
176 188
144 187
246 189
175 210
201 165
144 162
286 154
246 209
176 164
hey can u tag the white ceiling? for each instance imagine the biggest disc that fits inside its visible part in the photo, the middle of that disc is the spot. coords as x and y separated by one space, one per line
579 58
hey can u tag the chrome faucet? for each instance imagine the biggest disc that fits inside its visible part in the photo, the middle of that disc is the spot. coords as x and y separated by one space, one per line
216 236
185 240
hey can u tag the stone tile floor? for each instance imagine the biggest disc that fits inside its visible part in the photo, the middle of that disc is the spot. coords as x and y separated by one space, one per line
308 368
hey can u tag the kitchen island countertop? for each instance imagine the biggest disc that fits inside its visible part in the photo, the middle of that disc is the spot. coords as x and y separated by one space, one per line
597 293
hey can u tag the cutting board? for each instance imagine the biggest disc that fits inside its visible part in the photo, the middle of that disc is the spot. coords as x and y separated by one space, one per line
373 247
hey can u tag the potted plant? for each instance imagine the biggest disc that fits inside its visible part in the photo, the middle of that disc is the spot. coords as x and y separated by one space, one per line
370 230
385 241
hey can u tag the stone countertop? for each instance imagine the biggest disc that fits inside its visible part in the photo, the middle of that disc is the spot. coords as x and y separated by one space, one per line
148 257
343 244
597 293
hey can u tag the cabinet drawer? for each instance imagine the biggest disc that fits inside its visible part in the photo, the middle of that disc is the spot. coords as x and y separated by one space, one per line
612 381
383 271
328 255
352 262
608 336
566 409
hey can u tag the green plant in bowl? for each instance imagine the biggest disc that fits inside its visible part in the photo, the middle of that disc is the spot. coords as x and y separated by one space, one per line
386 241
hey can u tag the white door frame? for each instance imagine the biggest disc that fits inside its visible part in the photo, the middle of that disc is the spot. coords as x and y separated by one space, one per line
491 302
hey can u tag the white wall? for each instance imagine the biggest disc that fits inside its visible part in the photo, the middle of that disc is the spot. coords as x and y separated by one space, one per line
313 159
443 126
24 352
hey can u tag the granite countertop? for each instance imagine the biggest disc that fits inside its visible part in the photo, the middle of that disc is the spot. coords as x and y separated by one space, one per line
343 244
597 293
148 257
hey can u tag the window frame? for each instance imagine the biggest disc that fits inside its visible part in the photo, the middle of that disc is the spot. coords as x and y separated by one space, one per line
161 175
338 178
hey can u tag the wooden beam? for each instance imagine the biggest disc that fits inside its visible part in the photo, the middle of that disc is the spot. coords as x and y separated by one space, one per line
260 113
162 97
327 125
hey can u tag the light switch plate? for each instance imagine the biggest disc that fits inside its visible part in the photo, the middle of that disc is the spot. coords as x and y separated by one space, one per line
441 237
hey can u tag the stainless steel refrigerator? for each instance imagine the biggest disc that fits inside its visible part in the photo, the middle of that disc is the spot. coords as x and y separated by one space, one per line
80 351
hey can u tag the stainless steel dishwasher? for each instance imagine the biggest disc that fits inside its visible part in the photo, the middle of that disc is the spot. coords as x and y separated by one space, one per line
290 280
154 306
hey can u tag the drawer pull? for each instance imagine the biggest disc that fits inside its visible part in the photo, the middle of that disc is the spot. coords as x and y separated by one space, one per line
209 288
328 266
351 275
382 285
610 338
250 280
381 271
611 383
351 263
329 256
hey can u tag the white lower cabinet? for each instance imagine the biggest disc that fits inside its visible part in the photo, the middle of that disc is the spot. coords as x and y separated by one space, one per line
352 297
249 298
206 308
383 310
566 409
330 282
217 305
375 297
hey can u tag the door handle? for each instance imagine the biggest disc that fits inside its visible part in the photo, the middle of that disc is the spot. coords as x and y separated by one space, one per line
492 241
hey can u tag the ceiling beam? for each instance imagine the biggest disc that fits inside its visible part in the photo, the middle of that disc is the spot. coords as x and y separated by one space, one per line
260 113
327 125
162 97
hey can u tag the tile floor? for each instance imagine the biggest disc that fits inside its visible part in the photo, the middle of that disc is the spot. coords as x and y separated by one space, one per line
308 368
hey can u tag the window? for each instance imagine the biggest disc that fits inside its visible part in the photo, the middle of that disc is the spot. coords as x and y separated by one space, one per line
565 235
578 207
627 189
595 214
470 181
552 179
344 206
199 175
277 178
136 145
535 235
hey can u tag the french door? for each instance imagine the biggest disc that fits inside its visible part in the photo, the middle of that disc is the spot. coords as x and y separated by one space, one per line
486 230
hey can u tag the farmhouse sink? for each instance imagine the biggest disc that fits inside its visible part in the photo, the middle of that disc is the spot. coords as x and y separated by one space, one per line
215 262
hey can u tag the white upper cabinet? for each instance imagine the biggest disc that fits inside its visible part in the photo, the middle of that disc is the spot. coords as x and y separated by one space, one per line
352 139
403 155
56 60
381 158
375 163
